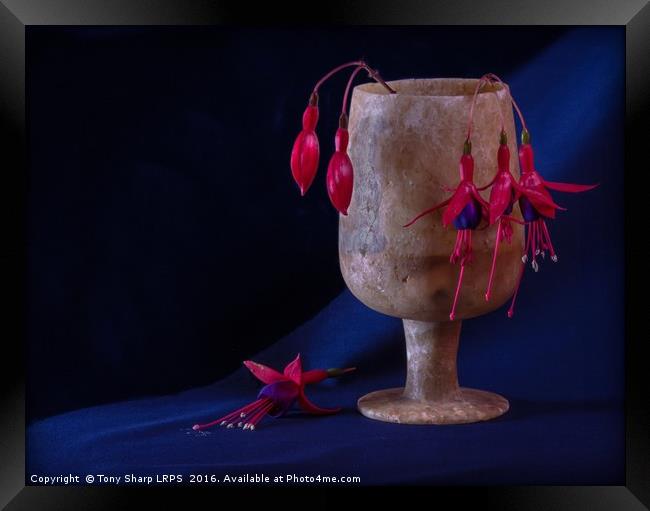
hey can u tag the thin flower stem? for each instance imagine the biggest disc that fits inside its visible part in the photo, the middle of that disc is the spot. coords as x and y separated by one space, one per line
374 74
470 122
514 103
503 122
344 107
359 63
336 70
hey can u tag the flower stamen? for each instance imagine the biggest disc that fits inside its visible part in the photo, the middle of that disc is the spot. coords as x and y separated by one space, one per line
259 415
229 418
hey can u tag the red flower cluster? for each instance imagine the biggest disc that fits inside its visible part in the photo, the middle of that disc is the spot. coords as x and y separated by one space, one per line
466 208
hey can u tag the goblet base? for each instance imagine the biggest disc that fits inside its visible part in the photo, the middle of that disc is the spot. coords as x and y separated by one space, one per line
462 407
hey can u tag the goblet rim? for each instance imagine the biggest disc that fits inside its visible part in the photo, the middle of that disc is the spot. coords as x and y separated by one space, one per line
410 87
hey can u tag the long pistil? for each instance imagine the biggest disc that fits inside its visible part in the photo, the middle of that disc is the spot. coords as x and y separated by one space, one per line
494 261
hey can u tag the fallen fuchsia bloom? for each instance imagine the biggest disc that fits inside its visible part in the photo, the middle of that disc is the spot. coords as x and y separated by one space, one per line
465 208
537 205
340 174
279 394
305 152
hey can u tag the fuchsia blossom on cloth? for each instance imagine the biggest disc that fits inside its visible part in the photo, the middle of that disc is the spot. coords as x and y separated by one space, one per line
281 391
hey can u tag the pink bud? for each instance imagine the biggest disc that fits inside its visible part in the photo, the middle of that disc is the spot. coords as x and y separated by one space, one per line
340 174
306 151
526 158
503 158
466 167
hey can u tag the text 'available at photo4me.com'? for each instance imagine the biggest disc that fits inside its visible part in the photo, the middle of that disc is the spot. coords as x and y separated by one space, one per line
162 479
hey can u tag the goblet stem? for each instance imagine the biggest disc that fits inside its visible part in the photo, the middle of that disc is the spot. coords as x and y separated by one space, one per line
431 394
431 352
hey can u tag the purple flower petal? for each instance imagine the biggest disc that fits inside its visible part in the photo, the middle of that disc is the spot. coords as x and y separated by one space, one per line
283 394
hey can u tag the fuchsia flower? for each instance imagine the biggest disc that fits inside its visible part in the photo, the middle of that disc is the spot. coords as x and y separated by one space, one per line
305 152
340 174
503 195
279 394
535 201
536 206
465 208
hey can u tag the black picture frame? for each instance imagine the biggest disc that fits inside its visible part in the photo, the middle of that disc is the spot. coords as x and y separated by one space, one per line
16 15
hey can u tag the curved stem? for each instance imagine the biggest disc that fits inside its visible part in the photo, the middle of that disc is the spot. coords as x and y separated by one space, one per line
480 83
359 63
374 74
336 70
347 89
503 122
514 103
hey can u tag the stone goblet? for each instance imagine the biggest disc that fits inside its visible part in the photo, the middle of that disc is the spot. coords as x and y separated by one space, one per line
405 149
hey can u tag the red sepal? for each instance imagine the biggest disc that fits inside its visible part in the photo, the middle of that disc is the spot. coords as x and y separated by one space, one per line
264 373
310 407
568 187
293 371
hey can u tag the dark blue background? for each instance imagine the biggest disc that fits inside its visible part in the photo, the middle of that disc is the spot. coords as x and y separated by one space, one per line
167 242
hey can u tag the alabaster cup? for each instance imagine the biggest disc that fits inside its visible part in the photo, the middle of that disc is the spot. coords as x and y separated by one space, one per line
405 149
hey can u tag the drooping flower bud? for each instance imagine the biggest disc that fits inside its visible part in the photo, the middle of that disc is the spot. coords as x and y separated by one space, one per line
526 161
466 166
306 152
340 174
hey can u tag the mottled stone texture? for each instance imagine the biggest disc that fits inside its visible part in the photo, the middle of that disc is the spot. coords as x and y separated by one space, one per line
467 405
431 394
405 149
431 350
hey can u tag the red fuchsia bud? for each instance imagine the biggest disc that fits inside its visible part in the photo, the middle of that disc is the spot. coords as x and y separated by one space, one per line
306 152
467 163
526 153
503 155
340 174
310 115
342 137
